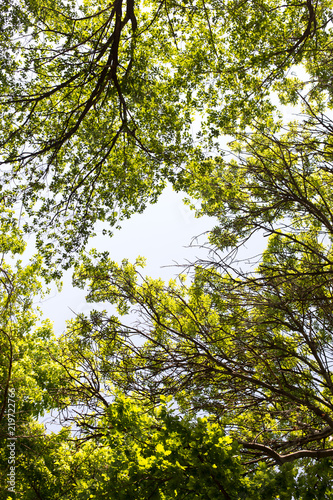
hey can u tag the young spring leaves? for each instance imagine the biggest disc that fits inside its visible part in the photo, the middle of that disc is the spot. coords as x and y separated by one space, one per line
98 98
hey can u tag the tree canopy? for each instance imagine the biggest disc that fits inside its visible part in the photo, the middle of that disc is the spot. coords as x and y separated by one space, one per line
217 384
98 98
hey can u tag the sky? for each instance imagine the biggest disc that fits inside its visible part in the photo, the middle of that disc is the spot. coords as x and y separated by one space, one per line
162 234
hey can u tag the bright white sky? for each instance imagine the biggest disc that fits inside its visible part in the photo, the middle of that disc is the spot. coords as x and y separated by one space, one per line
161 234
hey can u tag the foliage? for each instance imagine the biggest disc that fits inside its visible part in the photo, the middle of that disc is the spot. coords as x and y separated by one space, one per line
218 385
137 453
28 378
23 336
254 349
98 99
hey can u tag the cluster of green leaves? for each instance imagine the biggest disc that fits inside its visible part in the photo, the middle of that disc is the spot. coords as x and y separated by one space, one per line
24 360
28 377
98 99
147 454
